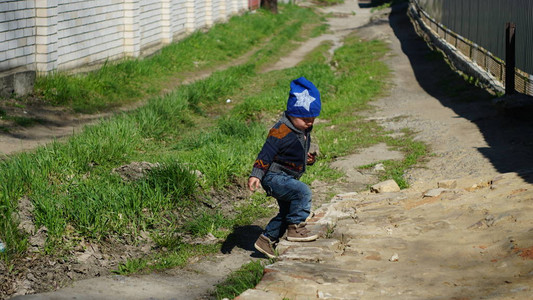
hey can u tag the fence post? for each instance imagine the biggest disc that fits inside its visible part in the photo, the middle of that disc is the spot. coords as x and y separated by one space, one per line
509 58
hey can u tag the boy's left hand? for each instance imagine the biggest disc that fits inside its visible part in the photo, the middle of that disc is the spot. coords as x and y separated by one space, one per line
253 183
311 158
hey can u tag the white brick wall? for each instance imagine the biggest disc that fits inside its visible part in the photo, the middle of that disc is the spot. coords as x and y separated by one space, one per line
216 10
88 32
199 13
17 34
47 35
178 17
150 22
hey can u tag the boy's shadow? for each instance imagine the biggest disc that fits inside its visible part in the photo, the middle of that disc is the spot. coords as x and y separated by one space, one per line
243 237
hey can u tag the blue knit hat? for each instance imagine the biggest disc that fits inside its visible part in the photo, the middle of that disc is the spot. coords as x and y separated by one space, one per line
304 99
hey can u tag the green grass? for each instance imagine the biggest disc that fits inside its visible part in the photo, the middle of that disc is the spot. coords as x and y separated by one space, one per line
129 80
175 257
248 276
18 120
204 146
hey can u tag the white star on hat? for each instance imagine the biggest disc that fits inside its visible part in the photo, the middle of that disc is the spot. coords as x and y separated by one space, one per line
303 99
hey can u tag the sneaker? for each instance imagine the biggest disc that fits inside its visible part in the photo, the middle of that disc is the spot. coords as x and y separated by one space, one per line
298 233
265 246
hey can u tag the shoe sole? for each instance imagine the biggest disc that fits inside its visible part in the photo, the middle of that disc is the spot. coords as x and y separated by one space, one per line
303 239
264 252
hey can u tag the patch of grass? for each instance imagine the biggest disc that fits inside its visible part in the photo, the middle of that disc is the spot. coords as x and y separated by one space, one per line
248 276
176 257
24 121
204 224
381 6
247 213
116 83
414 153
18 120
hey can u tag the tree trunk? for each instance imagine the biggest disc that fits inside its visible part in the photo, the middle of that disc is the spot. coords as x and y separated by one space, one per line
271 5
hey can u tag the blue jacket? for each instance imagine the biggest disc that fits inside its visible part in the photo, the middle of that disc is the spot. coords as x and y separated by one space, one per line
285 150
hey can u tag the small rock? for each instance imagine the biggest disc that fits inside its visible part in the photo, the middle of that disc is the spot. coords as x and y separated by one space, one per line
472 188
387 186
27 226
478 224
209 239
394 257
146 248
378 167
120 278
314 149
447 184
24 288
134 170
318 183
434 192
39 239
145 235
322 295
31 277
489 220
83 257
81 269
198 174
70 275
347 195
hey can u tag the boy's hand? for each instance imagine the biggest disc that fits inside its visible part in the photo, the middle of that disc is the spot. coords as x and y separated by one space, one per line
311 158
253 183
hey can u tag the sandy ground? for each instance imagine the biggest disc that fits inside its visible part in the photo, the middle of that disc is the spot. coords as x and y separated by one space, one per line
470 141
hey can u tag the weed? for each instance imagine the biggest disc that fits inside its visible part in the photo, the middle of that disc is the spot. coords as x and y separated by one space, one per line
164 260
248 276
215 224
329 231
381 6
131 266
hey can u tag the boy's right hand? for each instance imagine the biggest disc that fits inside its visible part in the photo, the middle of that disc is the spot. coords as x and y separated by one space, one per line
253 183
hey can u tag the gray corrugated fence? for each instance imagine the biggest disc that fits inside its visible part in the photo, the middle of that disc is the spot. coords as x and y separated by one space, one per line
483 22
477 29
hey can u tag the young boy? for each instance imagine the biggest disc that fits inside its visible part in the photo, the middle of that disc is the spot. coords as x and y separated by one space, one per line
282 161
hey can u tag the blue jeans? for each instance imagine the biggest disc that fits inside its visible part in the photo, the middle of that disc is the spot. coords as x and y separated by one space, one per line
294 200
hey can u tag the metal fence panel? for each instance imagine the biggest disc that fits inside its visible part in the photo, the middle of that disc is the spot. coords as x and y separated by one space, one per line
483 23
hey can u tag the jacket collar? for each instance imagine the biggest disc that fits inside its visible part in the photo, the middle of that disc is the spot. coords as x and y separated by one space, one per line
285 120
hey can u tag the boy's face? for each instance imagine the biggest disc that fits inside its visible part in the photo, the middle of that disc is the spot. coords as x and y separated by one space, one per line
302 123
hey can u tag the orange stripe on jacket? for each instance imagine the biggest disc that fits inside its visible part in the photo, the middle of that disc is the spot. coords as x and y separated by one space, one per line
261 165
280 132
